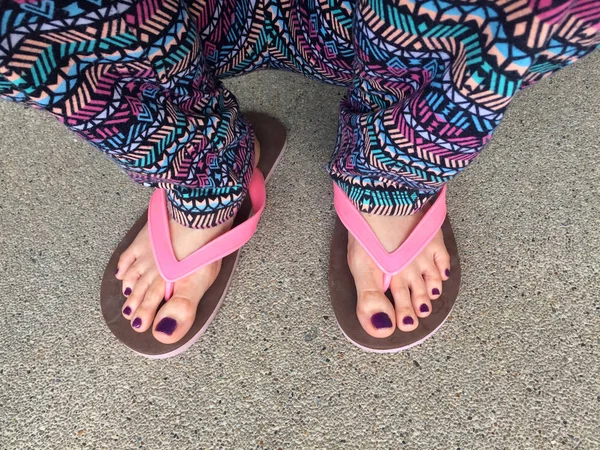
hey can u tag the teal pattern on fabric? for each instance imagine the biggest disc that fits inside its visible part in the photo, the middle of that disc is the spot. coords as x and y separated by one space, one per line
428 83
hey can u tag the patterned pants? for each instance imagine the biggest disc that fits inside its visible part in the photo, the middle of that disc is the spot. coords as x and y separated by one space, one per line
428 82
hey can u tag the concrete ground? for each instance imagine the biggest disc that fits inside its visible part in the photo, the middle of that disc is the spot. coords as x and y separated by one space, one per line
515 367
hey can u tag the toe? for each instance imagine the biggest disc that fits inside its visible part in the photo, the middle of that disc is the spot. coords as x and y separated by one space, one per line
374 310
126 260
433 282
131 277
134 252
419 296
375 313
143 317
177 316
137 295
174 319
441 258
406 318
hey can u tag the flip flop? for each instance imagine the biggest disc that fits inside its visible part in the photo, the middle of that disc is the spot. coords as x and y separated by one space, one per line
272 137
341 283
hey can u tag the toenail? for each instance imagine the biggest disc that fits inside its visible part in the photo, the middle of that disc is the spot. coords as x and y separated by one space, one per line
116 271
447 272
167 326
424 308
381 320
408 320
127 291
137 322
127 310
435 291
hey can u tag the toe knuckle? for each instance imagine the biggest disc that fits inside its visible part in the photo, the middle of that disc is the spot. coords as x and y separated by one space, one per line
186 308
157 290
443 256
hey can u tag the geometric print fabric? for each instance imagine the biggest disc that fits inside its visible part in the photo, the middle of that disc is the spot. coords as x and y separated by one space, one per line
428 82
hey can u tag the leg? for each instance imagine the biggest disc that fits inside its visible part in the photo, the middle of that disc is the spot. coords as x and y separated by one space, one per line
136 86
131 78
432 81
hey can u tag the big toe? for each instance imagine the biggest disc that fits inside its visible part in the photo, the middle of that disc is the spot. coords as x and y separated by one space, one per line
177 316
174 319
375 313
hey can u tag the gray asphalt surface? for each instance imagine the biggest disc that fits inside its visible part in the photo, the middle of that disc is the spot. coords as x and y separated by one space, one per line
515 367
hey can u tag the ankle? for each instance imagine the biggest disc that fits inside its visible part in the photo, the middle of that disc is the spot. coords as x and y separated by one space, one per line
256 152
186 240
392 231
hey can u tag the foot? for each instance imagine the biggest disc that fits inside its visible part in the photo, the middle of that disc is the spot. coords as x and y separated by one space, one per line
413 289
144 288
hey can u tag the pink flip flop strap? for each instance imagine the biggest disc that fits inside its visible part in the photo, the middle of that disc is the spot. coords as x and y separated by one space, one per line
395 262
169 267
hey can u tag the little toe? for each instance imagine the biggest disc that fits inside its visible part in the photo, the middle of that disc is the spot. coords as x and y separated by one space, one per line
375 313
126 260
144 315
406 318
441 259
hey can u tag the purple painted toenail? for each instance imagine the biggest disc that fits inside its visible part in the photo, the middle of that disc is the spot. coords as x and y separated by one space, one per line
381 320
447 272
408 320
435 291
167 326
424 308
137 322
127 292
127 310
116 271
